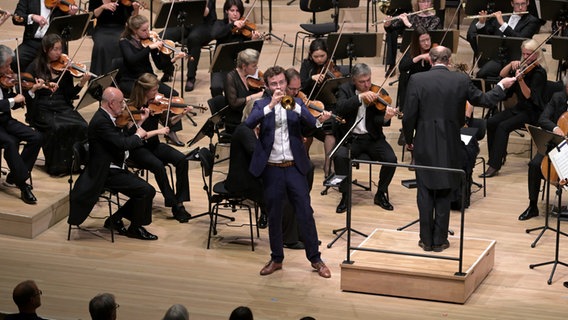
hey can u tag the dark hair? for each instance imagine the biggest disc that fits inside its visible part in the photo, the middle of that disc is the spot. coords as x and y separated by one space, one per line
102 306
272 71
229 3
42 64
23 292
290 74
318 44
415 42
241 313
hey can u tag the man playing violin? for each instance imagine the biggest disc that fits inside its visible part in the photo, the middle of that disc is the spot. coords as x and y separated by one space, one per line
108 149
515 25
12 132
154 155
353 99
529 90
281 160
554 109
36 16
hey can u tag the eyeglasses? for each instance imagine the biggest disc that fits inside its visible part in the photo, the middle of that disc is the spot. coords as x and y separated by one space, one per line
520 5
38 293
116 306
294 89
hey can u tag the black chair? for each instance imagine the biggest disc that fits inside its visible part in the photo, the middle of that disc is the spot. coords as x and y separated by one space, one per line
219 198
216 104
314 30
79 161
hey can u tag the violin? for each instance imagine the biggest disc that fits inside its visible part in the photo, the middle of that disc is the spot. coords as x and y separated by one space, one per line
332 72
63 5
316 107
128 115
256 81
14 17
76 69
247 29
128 3
524 71
177 106
383 100
9 80
168 46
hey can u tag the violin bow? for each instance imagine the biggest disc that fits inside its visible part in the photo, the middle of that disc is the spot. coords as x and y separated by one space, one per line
324 70
70 61
390 73
522 65
451 22
171 95
250 11
279 49
18 67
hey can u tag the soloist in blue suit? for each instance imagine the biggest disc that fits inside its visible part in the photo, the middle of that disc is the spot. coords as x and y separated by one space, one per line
280 180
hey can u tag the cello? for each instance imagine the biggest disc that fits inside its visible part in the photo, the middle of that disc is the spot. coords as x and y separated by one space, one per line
562 123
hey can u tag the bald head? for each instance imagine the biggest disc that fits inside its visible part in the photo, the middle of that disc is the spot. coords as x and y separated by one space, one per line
440 54
27 296
112 101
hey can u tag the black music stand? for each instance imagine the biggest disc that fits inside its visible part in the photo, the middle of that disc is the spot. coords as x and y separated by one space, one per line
544 141
225 58
328 89
69 28
209 128
270 34
556 10
184 14
95 90
560 53
353 45
450 37
503 49
335 180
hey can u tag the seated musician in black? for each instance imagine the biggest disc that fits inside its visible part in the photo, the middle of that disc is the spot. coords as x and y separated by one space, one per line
108 149
548 119
12 132
353 103
515 25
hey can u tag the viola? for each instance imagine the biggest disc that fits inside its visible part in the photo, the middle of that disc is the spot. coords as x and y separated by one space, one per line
332 71
76 69
316 107
256 81
247 29
168 46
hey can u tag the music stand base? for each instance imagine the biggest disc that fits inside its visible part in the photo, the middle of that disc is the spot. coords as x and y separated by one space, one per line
272 35
209 214
339 232
554 264
543 228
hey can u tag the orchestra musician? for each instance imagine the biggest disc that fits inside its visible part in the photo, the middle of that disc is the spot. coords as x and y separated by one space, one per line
195 36
136 57
36 17
280 158
153 155
554 109
239 90
529 91
50 106
353 99
222 32
111 17
515 25
108 148
427 123
393 29
12 132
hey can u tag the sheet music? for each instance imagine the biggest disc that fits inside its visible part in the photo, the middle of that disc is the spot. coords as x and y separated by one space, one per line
559 158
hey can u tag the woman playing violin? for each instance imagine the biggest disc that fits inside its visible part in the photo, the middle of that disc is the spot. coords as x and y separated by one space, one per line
136 59
111 18
529 89
238 93
50 107
154 155
222 31
310 70
415 60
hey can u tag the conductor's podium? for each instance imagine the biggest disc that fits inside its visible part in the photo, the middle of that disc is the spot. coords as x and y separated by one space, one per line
416 276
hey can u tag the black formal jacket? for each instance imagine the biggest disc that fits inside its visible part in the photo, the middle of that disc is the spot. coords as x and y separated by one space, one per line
347 107
527 27
434 113
553 110
27 7
5 111
107 144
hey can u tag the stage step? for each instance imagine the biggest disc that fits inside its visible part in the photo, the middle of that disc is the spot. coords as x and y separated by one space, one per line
417 277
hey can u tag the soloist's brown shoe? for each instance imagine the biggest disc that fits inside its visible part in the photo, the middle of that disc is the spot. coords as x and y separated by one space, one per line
270 267
322 269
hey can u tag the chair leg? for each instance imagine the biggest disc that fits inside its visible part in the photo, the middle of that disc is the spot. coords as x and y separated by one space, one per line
251 230
110 216
69 233
211 214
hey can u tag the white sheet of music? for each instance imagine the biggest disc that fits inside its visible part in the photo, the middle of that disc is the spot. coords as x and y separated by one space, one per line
559 158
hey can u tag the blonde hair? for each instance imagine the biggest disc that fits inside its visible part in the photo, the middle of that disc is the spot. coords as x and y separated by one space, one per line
134 23
142 85
532 45
246 57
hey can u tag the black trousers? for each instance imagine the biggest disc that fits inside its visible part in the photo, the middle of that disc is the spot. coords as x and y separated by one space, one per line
138 208
434 209
12 132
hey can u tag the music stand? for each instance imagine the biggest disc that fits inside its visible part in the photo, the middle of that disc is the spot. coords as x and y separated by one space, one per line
328 89
353 45
270 34
69 27
559 52
544 141
499 48
95 90
225 58
451 39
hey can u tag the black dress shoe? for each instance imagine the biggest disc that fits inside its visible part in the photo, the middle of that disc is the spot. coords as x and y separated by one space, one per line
181 215
441 247
262 221
140 233
423 246
189 85
529 213
490 172
172 138
342 206
117 226
382 201
566 284
27 196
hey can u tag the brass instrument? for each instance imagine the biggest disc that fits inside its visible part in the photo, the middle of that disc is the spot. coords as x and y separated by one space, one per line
493 14
288 103
384 6
398 17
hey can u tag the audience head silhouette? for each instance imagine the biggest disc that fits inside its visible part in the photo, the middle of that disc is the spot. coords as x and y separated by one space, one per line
177 312
103 307
241 313
27 296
